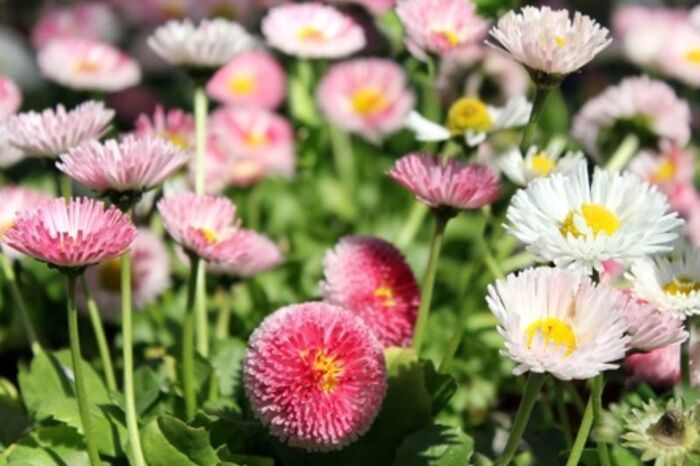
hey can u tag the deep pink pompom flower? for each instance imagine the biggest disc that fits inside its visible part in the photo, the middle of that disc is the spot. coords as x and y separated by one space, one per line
73 235
441 182
315 375
371 278
249 254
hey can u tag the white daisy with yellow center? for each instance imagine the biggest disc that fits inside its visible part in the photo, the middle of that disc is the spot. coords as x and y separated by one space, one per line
471 118
538 163
558 321
572 220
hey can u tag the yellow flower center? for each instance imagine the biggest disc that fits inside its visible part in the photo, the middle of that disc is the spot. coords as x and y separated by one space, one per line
310 34
560 41
541 164
468 113
693 55
597 218
242 84
681 286
256 139
177 139
368 101
327 370
246 170
109 275
664 172
85 66
4 226
554 331
387 293
210 236
449 35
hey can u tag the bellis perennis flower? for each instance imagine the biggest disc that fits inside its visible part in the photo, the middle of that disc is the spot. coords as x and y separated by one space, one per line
651 329
659 367
174 125
10 97
13 201
250 254
315 376
537 163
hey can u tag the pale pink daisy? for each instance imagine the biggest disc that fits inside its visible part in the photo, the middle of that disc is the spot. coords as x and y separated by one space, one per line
253 78
71 235
440 26
315 376
648 107
90 20
13 201
370 277
150 276
649 328
251 254
368 96
174 125
312 30
680 57
660 368
10 97
440 182
55 131
88 65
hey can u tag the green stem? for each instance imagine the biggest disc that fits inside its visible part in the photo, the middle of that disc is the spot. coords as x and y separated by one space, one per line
582 436
201 311
76 358
597 394
66 187
532 390
98 328
453 345
223 320
413 223
429 281
624 152
200 137
541 94
21 305
343 158
685 364
188 342
128 355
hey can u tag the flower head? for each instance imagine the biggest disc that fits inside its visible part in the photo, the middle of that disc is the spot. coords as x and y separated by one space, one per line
250 254
174 125
440 26
89 20
209 45
669 168
558 321
55 131
548 41
86 64
371 278
315 375
573 220
649 328
13 201
311 30
253 78
681 55
10 97
537 163
368 96
450 183
659 368
73 235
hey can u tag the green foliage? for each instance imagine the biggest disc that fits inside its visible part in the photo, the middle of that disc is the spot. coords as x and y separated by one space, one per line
168 441
436 445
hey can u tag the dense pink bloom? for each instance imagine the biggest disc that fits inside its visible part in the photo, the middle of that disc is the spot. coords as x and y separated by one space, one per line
650 328
312 30
174 125
440 26
659 368
204 225
88 65
10 97
253 78
369 96
72 235
315 375
371 278
53 132
134 164
441 182
90 20
13 201
251 254
150 276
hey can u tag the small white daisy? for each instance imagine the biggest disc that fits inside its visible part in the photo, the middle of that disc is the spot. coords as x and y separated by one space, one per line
670 282
559 322
471 118
209 45
574 221
537 163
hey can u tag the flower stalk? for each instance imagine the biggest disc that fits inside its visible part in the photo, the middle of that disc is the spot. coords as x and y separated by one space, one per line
188 341
21 305
100 337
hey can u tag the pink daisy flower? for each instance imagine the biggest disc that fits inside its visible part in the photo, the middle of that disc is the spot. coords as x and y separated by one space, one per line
315 376
251 254
150 268
86 64
13 201
440 26
204 225
174 125
134 164
73 235
369 96
312 30
446 182
252 79
659 368
650 328
91 20
680 57
53 132
10 97
371 278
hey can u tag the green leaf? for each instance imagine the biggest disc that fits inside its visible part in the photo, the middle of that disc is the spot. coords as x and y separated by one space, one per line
50 446
302 105
14 418
435 446
147 384
227 361
440 386
170 442
43 379
247 460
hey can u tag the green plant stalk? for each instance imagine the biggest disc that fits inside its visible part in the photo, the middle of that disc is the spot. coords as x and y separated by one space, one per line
624 152
583 430
532 390
98 328
223 319
429 282
597 394
188 342
412 225
541 94
21 305
76 358
201 311
66 187
128 356
454 342
343 158
685 363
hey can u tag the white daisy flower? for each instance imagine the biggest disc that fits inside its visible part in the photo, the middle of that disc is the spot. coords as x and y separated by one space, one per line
558 321
573 221
211 44
537 163
471 118
671 283
547 41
